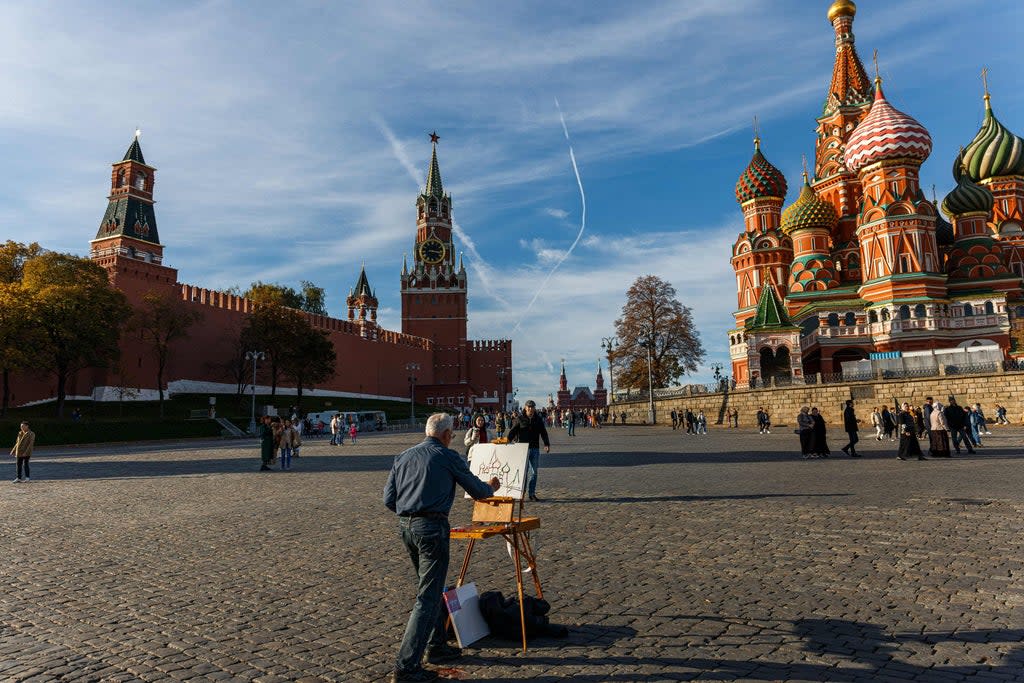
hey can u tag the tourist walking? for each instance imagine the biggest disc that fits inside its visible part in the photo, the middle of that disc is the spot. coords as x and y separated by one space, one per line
876 422
956 420
22 452
976 419
926 412
421 489
475 434
938 433
919 421
850 427
529 429
570 420
909 447
819 446
336 439
353 429
287 440
266 432
675 419
888 423
805 428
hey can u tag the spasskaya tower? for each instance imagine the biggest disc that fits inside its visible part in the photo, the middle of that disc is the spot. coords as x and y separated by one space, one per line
434 290
469 374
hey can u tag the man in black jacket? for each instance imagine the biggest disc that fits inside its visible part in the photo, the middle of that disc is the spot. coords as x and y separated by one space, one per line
529 429
850 426
956 420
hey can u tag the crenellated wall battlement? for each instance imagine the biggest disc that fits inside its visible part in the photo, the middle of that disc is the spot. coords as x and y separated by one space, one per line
233 302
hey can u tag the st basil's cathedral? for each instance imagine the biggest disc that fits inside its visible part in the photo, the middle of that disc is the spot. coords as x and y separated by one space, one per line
862 262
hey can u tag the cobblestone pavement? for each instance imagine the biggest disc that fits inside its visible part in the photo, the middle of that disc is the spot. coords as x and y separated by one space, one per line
669 557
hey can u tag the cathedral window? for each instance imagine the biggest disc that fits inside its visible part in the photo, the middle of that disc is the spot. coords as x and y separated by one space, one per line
990 308
919 311
833 320
968 310
850 319
904 312
120 178
906 265
872 316
885 314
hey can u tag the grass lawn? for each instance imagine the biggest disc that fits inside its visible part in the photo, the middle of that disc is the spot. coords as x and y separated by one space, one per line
139 420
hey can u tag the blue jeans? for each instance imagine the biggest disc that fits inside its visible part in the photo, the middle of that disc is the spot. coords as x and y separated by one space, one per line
532 460
286 457
572 427
426 540
959 435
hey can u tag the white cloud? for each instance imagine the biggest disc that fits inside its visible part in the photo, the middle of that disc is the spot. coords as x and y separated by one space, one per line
560 214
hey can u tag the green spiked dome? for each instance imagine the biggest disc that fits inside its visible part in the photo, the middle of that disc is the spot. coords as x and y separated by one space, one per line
760 179
993 152
808 211
967 197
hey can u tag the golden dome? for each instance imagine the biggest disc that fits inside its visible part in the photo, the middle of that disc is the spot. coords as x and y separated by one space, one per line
841 8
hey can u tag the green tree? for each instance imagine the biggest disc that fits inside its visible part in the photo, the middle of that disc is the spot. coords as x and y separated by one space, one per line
161 320
19 337
79 315
309 358
653 317
270 329
311 299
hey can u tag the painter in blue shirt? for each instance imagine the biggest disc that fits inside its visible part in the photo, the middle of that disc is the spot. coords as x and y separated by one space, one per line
420 490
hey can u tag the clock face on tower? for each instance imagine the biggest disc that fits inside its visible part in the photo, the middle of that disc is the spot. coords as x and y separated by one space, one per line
432 251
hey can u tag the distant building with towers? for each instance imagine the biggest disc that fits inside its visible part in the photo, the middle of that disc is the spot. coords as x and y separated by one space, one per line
862 263
581 396
431 356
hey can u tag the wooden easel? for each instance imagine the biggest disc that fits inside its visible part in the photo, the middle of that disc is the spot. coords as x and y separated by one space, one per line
503 517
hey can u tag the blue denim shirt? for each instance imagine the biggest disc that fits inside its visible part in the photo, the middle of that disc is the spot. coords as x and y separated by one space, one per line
423 480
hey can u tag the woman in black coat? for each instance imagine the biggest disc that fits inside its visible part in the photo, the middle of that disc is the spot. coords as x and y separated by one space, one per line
818 445
909 447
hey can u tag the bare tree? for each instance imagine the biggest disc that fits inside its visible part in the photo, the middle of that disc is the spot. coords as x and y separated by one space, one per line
162 320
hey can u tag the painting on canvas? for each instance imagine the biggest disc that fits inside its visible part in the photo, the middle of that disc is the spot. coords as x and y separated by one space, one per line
507 462
463 604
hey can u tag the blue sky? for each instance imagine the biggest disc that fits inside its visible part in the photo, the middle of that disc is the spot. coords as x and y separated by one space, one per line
290 138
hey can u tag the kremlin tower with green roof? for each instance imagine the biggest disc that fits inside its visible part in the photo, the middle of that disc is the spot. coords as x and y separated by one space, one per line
862 262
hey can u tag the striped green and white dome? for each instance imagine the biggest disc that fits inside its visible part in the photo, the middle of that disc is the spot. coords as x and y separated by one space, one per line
994 151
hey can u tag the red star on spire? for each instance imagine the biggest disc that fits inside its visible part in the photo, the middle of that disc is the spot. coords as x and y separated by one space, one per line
434 137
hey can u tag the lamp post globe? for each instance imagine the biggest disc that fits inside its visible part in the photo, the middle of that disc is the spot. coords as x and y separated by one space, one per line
255 357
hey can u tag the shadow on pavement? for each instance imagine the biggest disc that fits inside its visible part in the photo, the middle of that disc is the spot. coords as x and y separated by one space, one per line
871 651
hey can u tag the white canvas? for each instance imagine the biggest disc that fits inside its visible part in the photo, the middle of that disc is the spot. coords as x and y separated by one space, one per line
464 607
507 462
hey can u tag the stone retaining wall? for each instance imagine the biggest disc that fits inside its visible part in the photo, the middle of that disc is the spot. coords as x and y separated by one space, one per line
783 403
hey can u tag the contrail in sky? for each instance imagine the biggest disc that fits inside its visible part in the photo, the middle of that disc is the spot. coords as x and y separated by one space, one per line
583 220
476 262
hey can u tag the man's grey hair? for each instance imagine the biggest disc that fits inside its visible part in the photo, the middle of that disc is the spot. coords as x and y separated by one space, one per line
439 423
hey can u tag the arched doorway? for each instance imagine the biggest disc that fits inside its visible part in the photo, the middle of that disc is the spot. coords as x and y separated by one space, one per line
775 363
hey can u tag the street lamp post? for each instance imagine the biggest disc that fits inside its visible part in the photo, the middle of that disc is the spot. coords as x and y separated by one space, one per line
411 368
609 344
254 356
649 344
501 388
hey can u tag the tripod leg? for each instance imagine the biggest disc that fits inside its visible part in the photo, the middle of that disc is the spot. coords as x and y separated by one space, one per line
531 562
465 562
519 586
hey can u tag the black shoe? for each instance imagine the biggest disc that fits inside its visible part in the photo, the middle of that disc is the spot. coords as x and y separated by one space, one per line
854 455
972 452
535 498
418 676
845 449
443 653
900 457
264 468
921 457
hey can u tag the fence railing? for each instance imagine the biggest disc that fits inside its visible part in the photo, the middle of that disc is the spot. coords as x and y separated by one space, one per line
1009 365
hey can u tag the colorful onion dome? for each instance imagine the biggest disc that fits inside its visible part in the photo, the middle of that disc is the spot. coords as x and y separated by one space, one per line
886 133
993 152
841 8
760 179
808 211
967 197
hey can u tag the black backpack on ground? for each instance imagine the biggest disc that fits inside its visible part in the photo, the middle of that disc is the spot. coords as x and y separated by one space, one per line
502 616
